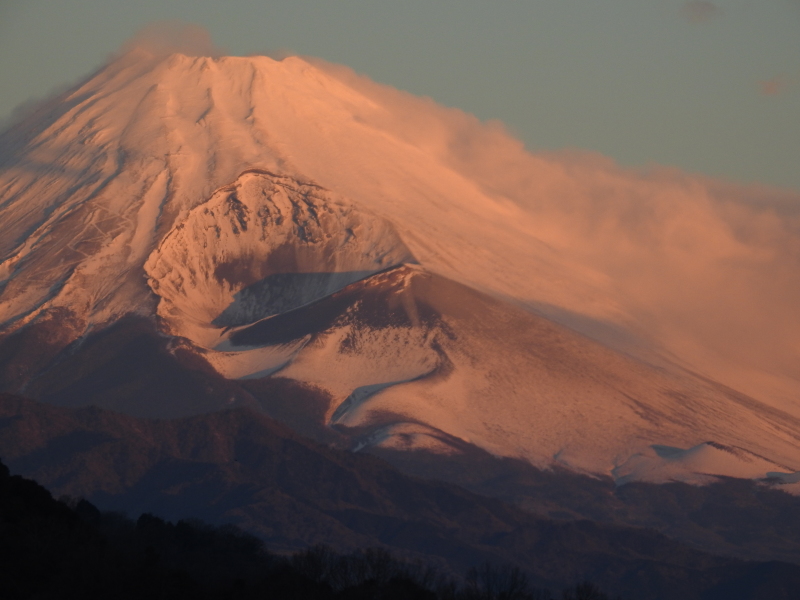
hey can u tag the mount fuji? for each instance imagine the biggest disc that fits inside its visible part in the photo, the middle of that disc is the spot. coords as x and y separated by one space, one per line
181 234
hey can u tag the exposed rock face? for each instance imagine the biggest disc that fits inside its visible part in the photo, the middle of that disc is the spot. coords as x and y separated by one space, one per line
263 245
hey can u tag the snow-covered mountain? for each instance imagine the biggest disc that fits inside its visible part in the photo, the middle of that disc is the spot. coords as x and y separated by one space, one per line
434 282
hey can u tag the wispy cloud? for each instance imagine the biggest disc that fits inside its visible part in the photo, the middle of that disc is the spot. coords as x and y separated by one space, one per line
168 37
708 267
774 86
700 11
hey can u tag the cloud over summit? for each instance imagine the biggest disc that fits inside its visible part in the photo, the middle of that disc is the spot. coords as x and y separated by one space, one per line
168 37
700 11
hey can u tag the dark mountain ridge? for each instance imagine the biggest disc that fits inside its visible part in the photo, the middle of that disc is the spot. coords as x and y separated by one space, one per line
132 368
240 467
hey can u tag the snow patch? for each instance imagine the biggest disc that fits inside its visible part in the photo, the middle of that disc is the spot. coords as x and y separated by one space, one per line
147 218
254 363
406 437
261 246
697 465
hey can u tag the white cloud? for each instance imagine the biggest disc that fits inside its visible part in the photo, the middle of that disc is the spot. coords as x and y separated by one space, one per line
709 267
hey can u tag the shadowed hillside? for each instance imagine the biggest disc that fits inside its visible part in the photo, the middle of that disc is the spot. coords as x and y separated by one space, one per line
241 467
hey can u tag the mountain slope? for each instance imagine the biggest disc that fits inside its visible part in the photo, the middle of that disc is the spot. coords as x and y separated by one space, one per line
241 467
266 218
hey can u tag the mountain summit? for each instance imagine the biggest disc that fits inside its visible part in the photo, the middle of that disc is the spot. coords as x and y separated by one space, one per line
418 277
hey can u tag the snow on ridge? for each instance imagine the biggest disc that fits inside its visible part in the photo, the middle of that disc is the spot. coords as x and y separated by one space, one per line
89 190
512 384
261 246
700 464
188 126
115 188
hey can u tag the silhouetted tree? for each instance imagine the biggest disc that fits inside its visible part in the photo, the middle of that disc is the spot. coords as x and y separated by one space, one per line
584 591
69 549
491 582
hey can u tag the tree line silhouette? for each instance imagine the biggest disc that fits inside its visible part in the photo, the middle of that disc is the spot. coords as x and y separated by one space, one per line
70 549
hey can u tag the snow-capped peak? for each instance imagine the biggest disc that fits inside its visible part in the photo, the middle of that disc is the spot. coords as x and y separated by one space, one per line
216 193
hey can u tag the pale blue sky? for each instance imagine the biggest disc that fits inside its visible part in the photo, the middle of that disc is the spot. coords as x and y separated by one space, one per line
708 87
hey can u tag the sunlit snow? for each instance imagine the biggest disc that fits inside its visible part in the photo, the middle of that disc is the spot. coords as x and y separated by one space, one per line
219 193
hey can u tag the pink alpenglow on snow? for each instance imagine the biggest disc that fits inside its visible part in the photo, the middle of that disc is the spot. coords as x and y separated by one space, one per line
557 307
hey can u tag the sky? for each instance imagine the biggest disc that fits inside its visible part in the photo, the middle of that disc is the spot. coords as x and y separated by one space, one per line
708 87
